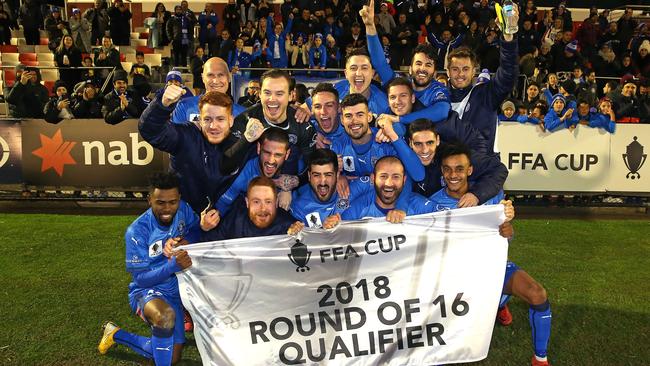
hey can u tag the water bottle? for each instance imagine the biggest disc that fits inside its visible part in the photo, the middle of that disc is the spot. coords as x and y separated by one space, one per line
511 26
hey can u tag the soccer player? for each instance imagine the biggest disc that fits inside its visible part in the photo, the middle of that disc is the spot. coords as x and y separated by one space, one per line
359 150
205 156
489 173
314 202
478 104
358 80
431 93
153 292
260 217
456 170
326 114
216 77
273 111
272 151
389 178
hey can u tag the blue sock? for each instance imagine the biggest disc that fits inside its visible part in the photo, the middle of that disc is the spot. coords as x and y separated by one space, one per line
162 345
539 317
139 344
503 301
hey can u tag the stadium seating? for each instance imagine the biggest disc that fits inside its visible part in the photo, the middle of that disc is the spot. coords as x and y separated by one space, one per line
45 57
27 56
145 49
26 48
9 59
9 76
153 59
42 49
50 74
50 86
44 41
8 48
127 66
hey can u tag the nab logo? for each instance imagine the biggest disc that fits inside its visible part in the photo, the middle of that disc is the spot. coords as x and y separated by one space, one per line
4 154
634 159
55 153
300 256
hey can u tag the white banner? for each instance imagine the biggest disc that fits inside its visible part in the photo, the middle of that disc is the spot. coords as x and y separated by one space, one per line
366 293
629 170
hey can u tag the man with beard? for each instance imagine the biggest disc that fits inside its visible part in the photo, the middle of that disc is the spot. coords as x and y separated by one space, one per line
205 154
153 292
456 170
259 217
359 149
216 77
314 202
123 103
272 151
432 94
273 112
479 104
326 113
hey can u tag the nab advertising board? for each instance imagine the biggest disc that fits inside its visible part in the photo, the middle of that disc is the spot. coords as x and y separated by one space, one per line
87 153
10 153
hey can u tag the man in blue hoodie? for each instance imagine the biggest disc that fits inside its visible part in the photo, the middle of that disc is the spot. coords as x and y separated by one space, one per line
478 104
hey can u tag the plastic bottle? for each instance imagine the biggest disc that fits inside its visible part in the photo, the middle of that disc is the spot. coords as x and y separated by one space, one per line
511 26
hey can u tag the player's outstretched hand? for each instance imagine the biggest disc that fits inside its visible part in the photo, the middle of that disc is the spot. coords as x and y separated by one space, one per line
343 186
302 114
172 94
254 129
468 200
210 219
332 221
506 230
183 259
284 200
508 209
395 216
322 142
295 228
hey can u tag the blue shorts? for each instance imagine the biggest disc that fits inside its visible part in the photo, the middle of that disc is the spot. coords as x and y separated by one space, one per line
511 268
138 302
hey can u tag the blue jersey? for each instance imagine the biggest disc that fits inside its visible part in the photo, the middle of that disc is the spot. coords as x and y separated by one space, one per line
377 99
239 186
187 110
443 201
145 239
435 97
306 207
332 136
359 160
366 206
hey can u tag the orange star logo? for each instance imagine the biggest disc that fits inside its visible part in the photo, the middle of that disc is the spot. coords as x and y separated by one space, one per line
55 153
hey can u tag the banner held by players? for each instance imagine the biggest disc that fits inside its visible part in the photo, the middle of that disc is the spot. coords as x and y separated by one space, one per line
368 292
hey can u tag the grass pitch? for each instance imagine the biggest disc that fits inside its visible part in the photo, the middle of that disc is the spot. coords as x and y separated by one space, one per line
62 276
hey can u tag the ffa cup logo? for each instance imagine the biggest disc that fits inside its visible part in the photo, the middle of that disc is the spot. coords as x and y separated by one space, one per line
300 256
634 159
313 219
155 249
348 163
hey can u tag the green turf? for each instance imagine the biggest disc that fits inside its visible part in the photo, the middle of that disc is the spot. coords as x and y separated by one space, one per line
61 276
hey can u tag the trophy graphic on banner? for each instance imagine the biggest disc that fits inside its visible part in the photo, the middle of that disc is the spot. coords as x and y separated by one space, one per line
223 279
634 159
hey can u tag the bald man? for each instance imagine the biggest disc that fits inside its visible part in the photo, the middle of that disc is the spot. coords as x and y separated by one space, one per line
216 77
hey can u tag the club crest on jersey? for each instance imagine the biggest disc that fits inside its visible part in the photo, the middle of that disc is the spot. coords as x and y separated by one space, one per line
194 117
293 139
348 163
181 228
343 204
373 160
313 219
155 248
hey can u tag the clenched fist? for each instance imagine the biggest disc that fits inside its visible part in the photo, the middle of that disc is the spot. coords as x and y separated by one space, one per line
172 95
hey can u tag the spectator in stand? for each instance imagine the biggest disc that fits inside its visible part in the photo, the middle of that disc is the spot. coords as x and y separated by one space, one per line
642 34
88 104
58 107
89 74
231 18
306 24
318 54
68 56
196 68
107 56
544 61
180 30
238 58
252 96
158 35
644 101
532 96
483 12
627 67
528 38
407 38
603 20
120 26
529 13
277 42
625 101
588 34
614 38
27 98
98 18
175 77
5 27
385 22
80 28
208 21
606 64
609 88
225 44
263 10
559 116
260 58
333 53
489 51
565 14
642 59
247 12
249 29
139 67
552 84
260 31
570 59
122 103
299 54
56 27
626 26
590 90
589 116
354 39
188 12
286 8
30 17
579 80
606 108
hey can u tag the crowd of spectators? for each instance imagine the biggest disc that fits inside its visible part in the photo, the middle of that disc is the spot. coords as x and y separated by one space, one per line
596 62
